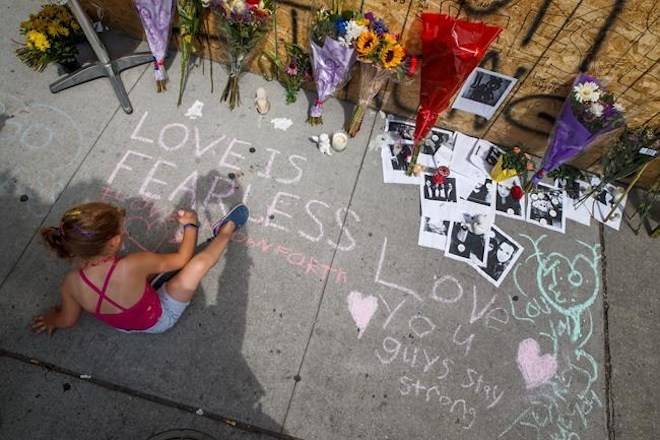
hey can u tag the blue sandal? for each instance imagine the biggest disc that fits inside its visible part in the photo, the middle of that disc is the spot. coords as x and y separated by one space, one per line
239 214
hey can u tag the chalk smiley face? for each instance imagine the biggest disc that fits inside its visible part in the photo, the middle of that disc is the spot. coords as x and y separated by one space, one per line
569 285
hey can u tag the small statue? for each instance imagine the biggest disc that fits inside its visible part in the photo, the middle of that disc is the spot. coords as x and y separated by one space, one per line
323 142
261 101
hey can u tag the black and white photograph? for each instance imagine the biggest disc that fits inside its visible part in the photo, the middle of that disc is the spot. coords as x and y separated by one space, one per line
393 158
574 210
398 155
603 203
484 155
483 92
466 245
436 139
482 192
433 233
400 130
502 254
545 207
505 204
460 162
444 192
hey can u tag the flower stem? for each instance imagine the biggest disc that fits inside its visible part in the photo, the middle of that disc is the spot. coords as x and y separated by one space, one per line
356 121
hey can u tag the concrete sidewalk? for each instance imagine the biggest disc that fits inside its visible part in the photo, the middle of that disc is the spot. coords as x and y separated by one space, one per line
269 344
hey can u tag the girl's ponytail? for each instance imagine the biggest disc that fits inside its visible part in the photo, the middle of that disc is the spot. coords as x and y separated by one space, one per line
55 241
84 230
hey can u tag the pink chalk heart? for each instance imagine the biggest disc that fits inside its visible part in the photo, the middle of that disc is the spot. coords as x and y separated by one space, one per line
536 369
362 309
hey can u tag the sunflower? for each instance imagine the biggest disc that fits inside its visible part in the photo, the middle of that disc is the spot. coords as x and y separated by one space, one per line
366 43
392 55
389 38
39 40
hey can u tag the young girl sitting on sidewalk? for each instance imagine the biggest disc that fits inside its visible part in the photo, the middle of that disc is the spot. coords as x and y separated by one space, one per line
116 290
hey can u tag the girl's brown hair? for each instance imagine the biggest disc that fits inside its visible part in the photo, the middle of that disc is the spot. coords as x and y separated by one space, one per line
84 230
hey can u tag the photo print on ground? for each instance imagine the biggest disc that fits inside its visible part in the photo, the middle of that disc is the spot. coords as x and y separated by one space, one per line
545 207
505 204
483 92
484 155
503 252
460 160
400 130
602 204
482 192
394 155
433 232
436 149
466 245
574 210
443 192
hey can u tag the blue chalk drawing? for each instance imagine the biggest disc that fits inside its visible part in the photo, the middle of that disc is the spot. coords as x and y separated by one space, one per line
558 307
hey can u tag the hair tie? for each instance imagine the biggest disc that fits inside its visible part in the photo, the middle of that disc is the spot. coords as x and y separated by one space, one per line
60 231
81 231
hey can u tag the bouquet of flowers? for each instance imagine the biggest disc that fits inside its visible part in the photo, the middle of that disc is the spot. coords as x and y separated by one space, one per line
513 162
587 113
333 34
296 71
381 57
632 153
50 36
156 18
190 14
451 48
243 23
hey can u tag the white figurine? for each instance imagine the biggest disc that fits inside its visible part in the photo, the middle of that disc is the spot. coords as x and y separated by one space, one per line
261 101
323 142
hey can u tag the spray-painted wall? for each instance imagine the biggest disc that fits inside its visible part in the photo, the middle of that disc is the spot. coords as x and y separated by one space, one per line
544 44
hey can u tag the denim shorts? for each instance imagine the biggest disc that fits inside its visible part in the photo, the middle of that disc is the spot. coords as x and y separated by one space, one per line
172 311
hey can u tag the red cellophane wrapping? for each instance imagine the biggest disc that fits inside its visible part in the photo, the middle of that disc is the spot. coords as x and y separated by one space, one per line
452 48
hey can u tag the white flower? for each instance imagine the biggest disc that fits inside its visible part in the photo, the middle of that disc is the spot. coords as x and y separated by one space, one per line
587 92
597 109
618 107
237 6
353 31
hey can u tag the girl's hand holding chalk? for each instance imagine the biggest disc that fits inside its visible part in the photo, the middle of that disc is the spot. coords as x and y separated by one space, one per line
184 217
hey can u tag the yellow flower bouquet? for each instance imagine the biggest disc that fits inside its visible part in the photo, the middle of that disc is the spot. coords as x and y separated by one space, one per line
381 57
50 36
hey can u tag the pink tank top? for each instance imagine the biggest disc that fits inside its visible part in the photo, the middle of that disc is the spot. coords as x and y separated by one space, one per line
141 316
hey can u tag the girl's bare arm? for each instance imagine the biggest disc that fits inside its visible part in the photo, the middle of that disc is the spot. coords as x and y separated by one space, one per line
64 315
151 263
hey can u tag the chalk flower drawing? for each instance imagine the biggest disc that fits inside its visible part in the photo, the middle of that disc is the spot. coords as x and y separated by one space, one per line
558 303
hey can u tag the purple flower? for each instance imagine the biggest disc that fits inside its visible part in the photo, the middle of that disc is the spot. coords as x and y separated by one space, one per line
379 27
370 16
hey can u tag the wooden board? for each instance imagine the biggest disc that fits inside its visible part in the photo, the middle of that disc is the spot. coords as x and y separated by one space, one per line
545 43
